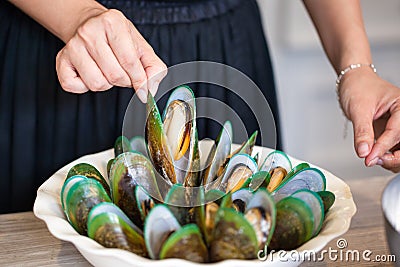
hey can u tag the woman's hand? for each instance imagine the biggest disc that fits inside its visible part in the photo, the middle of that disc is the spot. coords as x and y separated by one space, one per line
373 106
108 50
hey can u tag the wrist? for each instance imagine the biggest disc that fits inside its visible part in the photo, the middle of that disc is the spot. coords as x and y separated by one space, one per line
83 14
352 68
354 82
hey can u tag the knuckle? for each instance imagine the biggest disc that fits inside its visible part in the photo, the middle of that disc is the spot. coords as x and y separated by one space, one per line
67 85
115 78
128 63
85 31
112 17
163 67
115 13
362 133
98 85
137 83
72 47
148 48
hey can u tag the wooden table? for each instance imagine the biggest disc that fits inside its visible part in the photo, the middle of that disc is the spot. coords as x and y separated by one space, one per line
25 240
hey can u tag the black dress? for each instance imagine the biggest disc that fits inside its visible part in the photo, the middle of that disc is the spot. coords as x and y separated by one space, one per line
42 127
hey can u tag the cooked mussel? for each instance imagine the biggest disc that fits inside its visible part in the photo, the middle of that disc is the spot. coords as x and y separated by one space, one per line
157 142
240 168
79 195
160 224
129 170
110 227
277 176
218 154
314 201
294 224
240 199
186 243
233 237
276 159
177 126
328 198
261 214
89 171
179 120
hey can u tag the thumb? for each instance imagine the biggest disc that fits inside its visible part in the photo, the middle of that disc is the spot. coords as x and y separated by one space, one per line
363 133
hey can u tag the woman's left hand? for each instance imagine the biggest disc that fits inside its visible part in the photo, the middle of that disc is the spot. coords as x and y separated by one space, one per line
373 106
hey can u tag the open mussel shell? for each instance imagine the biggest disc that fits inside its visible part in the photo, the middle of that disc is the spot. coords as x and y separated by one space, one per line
215 200
129 170
218 153
261 214
186 243
328 198
241 198
309 178
89 171
294 224
157 143
314 201
159 225
276 159
177 127
233 237
245 148
240 168
179 119
111 228
79 195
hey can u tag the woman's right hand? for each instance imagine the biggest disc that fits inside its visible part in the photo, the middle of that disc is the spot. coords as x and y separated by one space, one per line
108 50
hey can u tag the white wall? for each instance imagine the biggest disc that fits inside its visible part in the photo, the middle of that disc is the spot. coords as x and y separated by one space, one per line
313 124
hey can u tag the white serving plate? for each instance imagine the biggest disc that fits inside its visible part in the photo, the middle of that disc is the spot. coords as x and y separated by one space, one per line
48 208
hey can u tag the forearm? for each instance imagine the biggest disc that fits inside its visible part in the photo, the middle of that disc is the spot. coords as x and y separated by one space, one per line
341 29
61 17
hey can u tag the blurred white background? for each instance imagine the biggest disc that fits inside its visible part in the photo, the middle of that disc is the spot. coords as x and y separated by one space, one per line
313 124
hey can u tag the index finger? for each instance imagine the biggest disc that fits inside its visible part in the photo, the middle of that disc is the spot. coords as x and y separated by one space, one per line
389 138
391 161
126 51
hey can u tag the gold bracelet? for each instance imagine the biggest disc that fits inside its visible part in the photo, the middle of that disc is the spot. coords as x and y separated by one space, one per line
352 67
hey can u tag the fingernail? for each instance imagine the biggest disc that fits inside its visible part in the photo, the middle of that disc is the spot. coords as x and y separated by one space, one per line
363 149
379 162
373 162
154 88
142 94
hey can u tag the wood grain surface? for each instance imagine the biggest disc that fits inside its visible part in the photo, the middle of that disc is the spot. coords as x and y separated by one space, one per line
26 241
